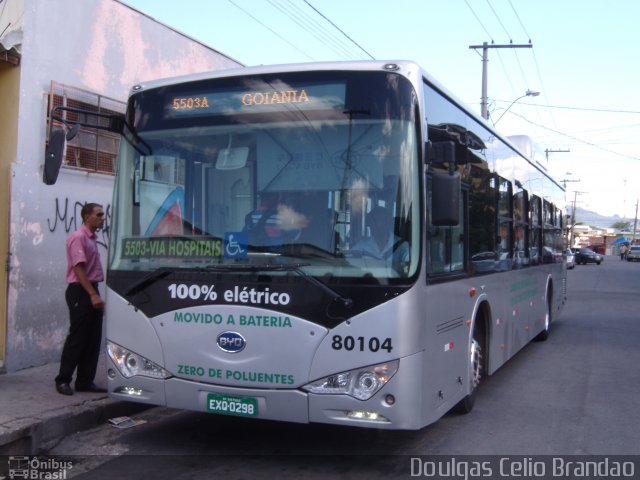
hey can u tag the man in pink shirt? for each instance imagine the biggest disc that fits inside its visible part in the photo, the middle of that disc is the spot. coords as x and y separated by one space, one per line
82 347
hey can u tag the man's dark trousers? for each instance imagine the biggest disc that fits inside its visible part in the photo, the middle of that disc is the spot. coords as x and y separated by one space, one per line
82 346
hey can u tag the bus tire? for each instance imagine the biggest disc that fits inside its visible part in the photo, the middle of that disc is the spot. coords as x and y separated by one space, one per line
465 405
544 334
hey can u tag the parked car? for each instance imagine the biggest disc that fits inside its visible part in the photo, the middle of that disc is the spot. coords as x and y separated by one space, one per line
571 259
586 255
633 254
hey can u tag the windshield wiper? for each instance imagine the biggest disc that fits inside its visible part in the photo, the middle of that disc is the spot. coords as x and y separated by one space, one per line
346 302
162 272
148 279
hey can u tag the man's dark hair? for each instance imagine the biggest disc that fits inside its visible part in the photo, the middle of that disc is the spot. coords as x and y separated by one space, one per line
87 210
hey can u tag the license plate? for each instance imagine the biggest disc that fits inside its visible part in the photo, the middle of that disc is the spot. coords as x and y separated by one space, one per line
231 405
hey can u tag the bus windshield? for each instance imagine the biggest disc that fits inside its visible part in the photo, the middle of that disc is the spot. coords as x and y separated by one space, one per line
318 170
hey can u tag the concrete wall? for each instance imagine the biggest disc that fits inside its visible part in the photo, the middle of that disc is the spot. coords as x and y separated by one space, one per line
106 47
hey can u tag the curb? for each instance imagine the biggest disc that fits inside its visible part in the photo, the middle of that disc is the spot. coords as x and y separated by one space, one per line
33 436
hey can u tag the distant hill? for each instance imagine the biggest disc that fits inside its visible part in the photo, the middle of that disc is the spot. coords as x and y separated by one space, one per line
594 219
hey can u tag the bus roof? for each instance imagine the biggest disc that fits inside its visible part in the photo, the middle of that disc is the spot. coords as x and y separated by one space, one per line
364 65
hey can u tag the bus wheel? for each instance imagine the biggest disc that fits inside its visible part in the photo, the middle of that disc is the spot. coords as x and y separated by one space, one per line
544 334
475 366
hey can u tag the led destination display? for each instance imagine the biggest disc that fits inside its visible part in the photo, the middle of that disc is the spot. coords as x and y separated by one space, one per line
263 98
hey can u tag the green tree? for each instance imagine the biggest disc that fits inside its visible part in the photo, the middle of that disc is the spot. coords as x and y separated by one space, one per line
622 225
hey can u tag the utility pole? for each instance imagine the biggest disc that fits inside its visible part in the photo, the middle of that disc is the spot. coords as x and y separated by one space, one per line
485 60
635 224
573 215
565 181
548 151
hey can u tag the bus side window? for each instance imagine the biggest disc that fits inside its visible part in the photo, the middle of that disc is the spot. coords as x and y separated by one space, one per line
482 220
536 230
505 222
548 237
520 229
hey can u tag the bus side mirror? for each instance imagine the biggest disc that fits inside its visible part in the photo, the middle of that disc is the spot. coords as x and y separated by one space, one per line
441 152
445 199
53 156
113 122
445 185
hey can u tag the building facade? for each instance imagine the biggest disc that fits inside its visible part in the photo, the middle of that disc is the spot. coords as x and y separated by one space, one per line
80 53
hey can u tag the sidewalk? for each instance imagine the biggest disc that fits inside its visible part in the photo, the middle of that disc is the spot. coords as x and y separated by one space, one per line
33 416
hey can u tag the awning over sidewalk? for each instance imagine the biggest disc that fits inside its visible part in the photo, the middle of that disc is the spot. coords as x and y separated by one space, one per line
620 240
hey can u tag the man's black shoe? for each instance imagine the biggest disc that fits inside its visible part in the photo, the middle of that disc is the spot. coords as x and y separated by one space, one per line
64 388
93 388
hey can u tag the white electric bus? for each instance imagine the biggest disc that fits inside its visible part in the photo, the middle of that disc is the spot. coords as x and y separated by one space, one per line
339 243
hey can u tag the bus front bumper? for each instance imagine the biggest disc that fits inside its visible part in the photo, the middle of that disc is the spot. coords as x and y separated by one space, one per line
393 407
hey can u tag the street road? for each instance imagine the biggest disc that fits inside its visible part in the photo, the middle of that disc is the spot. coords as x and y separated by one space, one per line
574 394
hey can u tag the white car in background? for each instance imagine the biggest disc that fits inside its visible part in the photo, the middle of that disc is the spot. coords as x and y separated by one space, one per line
571 259
633 254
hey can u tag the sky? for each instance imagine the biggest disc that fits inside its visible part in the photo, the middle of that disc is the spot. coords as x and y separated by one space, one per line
583 60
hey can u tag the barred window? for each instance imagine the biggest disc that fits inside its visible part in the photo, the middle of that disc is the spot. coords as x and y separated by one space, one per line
92 149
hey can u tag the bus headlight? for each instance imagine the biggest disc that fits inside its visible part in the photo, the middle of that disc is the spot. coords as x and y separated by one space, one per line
130 364
362 383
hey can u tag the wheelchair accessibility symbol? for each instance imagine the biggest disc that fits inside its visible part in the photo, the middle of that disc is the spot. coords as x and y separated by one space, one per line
235 245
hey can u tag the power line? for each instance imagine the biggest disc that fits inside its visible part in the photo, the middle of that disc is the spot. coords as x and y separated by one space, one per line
524 76
515 52
506 73
521 24
499 21
311 26
585 109
485 60
479 21
339 29
542 85
505 70
537 67
617 129
270 29
331 35
535 61
575 138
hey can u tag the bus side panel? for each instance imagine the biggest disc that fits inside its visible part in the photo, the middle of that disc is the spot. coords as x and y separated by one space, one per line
516 301
447 315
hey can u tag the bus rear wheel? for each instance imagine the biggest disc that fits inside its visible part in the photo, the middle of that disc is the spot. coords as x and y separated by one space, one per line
544 334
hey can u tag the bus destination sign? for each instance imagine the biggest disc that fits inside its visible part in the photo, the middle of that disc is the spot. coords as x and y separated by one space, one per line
270 99
171 247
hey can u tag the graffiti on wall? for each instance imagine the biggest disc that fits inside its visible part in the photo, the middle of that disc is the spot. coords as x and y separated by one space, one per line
67 216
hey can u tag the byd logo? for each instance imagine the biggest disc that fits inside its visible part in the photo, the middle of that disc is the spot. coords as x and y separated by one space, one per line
231 342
